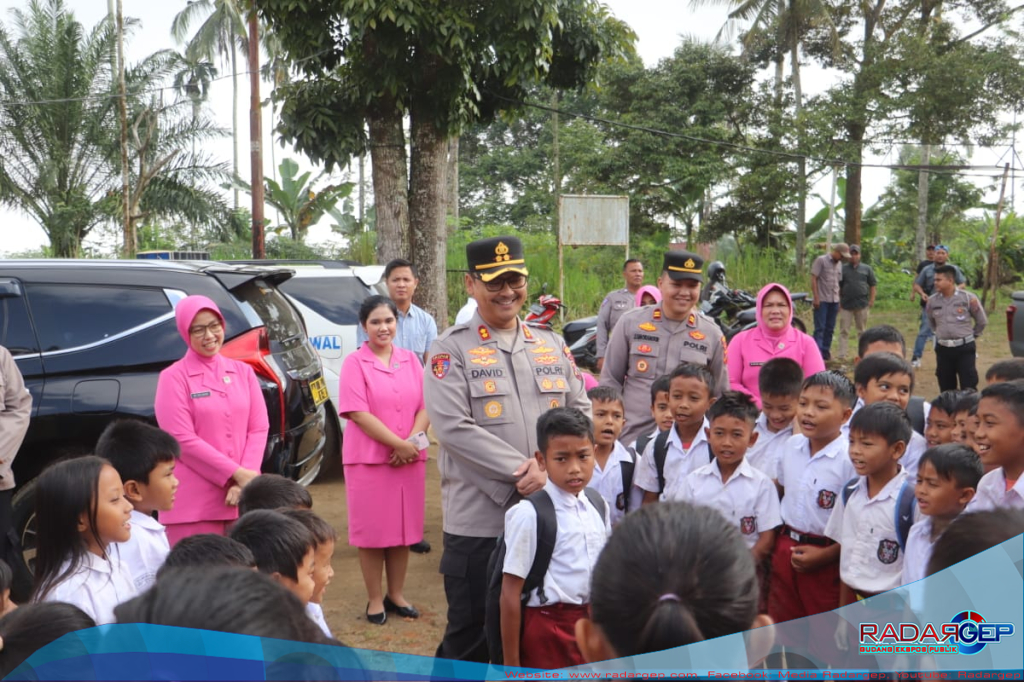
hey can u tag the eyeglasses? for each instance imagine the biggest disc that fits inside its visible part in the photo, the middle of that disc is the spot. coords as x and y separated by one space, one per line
770 306
496 285
199 331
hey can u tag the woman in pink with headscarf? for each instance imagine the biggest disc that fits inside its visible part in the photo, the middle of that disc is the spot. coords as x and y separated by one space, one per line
647 295
214 406
773 337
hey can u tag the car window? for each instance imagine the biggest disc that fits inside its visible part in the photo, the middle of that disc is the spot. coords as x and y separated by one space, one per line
335 298
71 316
281 319
15 328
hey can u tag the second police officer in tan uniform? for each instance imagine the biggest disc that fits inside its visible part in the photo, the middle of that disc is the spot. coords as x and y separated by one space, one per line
650 342
957 318
486 384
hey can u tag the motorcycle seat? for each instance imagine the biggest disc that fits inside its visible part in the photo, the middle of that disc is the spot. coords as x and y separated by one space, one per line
580 325
747 316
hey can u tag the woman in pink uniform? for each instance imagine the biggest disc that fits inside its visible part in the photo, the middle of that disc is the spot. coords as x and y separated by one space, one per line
214 407
381 395
773 337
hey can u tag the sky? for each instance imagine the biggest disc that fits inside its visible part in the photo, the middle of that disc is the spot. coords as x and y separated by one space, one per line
659 24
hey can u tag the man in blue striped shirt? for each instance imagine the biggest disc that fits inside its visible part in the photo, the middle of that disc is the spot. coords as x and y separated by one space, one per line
416 328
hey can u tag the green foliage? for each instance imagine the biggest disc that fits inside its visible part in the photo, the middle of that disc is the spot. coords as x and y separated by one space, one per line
972 243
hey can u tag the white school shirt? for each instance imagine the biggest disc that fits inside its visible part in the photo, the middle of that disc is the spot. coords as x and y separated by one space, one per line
992 493
915 448
767 451
144 553
846 425
678 462
919 551
316 614
870 558
749 499
582 533
813 484
96 587
608 482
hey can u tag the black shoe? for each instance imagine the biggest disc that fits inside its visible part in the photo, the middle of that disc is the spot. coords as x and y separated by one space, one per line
378 618
403 611
421 547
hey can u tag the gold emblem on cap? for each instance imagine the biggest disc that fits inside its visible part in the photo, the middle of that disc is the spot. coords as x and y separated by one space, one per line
501 252
689 263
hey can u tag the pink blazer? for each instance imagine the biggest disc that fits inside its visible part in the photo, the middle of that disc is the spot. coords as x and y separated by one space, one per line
216 410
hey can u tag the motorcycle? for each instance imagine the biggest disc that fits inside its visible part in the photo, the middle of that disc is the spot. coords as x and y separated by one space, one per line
735 311
580 335
544 310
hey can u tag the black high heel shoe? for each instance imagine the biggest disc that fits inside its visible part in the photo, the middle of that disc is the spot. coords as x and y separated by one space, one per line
403 611
378 618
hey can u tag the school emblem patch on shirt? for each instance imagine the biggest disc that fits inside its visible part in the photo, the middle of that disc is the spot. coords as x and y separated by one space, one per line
826 499
648 327
748 525
440 364
888 551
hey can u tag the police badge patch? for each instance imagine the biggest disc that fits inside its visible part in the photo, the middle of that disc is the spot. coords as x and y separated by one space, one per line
826 499
888 551
440 364
748 525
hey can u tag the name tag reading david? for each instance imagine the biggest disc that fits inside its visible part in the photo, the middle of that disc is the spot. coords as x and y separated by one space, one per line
204 394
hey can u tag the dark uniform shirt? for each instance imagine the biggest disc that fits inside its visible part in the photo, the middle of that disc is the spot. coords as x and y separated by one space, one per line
855 287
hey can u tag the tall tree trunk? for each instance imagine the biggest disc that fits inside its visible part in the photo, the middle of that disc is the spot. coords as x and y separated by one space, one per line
923 176
798 104
390 175
429 236
452 200
234 119
854 171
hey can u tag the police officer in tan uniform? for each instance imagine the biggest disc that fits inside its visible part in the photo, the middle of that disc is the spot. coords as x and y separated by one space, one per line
616 303
650 342
486 384
957 318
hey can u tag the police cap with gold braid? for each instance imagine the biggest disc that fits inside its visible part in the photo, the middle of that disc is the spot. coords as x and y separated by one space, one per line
683 265
489 258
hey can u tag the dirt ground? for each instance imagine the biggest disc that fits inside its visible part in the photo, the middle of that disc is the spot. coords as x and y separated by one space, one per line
345 601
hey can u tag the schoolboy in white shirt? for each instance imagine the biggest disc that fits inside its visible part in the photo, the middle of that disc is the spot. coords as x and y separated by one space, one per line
660 411
888 377
144 457
744 495
543 635
614 465
779 382
691 391
997 441
947 477
871 554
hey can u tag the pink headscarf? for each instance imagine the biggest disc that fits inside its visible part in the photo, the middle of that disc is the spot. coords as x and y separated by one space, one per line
186 311
647 289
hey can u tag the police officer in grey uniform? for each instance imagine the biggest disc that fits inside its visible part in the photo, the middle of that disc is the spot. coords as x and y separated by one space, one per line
957 318
486 384
650 342
616 303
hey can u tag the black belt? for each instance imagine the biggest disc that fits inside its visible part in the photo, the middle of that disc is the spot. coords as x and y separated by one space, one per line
807 538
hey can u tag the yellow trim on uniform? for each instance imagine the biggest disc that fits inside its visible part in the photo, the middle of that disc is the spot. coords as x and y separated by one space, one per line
690 270
485 266
492 275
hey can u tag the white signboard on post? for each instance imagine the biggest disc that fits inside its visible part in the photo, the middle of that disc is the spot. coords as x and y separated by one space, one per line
590 220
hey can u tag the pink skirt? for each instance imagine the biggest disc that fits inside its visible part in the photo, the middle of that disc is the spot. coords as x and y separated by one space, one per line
385 504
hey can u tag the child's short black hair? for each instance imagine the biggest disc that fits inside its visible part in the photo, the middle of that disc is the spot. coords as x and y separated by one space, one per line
971 534
30 627
1010 394
207 550
279 544
947 402
946 270
605 394
954 462
968 402
885 333
135 448
878 365
693 370
273 491
841 387
662 384
563 421
885 419
734 404
322 531
1007 370
781 377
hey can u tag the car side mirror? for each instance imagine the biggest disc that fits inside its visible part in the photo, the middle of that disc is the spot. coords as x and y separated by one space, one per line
10 288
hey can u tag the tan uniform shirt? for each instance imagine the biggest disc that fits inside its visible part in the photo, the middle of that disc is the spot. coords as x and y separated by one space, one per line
612 308
484 401
15 410
956 317
645 347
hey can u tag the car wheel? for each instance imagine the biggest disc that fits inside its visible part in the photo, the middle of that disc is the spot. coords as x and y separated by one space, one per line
23 516
330 465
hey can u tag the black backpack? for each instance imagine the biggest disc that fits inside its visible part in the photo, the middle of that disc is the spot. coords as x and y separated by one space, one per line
915 410
547 529
661 454
903 513
627 469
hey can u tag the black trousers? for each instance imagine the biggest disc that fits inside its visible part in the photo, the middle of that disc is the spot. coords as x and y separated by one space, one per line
956 363
464 566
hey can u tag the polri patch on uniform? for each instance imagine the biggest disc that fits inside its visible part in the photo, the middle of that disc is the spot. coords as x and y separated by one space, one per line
888 551
481 351
697 335
440 364
547 384
826 499
560 384
748 525
643 348
204 394
642 366
490 386
485 362
546 359
493 409
648 327
541 349
484 334
657 314
554 403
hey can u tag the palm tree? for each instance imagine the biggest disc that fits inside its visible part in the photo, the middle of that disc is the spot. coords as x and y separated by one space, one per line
222 33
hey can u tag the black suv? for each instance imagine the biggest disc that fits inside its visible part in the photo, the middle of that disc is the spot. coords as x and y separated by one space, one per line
91 337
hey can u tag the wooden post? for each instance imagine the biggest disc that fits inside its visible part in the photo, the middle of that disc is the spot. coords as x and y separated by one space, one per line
256 138
993 263
832 209
130 244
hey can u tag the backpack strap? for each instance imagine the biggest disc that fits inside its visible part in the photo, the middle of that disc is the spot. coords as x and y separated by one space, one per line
904 513
660 455
641 444
627 469
547 529
599 503
848 489
915 410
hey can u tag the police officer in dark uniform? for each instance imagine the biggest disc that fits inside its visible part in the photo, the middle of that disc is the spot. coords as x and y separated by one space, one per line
486 384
